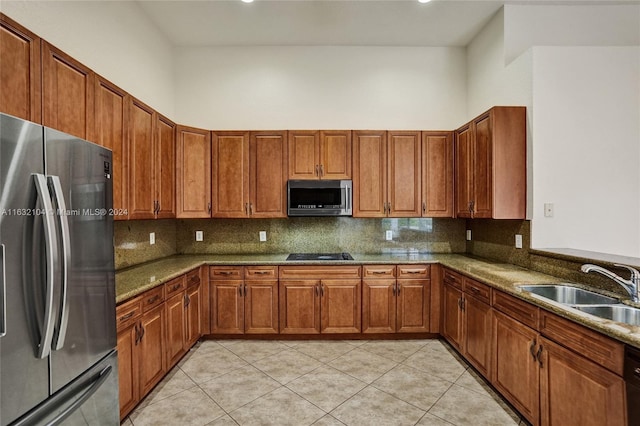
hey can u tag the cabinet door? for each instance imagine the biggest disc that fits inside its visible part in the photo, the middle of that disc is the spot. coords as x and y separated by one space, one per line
142 161
227 307
20 83
515 368
413 300
112 124
437 174
165 173
230 177
369 174
452 316
128 369
194 312
340 306
482 167
335 154
464 171
299 306
304 154
404 177
68 90
477 324
268 174
152 364
176 328
261 307
574 390
193 170
378 305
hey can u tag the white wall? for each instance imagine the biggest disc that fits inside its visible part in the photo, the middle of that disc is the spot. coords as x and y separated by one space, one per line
569 25
114 38
490 82
321 87
587 148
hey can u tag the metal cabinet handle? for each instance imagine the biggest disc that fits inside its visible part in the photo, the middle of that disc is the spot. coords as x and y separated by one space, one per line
532 349
187 300
3 294
317 170
126 317
209 207
398 288
224 272
321 170
321 290
474 290
135 327
379 272
393 289
250 209
315 287
424 207
260 272
141 331
539 356
636 371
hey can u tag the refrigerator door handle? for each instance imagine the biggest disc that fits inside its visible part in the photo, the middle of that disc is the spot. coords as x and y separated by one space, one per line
3 294
61 330
44 347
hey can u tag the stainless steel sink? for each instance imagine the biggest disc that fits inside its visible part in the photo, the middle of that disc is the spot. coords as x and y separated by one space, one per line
619 313
569 295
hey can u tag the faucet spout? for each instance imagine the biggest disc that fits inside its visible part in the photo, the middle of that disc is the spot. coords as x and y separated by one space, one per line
631 285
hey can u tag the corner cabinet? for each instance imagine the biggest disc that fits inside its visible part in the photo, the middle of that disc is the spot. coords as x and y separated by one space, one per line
193 173
491 165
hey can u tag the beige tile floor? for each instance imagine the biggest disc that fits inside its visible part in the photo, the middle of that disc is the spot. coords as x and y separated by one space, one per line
400 382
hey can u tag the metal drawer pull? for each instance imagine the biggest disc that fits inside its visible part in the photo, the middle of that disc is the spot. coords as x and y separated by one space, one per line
126 317
380 272
175 287
413 271
260 272
475 290
153 299
224 272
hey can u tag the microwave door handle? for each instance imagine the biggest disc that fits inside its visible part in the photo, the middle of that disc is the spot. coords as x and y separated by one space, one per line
44 347
63 319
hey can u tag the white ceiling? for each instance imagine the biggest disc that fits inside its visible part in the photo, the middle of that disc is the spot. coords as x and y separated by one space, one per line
328 22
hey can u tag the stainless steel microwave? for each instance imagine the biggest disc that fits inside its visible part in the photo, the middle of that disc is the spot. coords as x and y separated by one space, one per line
319 197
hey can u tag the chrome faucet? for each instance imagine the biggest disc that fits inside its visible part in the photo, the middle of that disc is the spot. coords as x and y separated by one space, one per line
631 285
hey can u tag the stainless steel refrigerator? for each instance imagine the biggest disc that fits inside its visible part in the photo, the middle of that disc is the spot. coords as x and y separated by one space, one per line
58 362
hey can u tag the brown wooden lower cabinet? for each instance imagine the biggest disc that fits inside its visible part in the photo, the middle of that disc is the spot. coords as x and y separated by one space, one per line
319 299
153 334
396 305
241 306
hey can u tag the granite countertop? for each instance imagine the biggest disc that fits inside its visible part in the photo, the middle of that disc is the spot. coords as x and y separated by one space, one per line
506 277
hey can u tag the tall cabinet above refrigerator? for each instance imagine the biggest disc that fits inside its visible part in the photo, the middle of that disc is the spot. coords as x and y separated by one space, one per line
58 363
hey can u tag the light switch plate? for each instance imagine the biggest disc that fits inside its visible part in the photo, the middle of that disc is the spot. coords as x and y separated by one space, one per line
468 234
518 241
152 238
388 235
199 235
263 236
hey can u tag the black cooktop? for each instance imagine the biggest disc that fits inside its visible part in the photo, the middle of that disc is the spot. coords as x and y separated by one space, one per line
319 256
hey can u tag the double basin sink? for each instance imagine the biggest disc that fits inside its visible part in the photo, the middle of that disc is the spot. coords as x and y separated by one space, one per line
586 301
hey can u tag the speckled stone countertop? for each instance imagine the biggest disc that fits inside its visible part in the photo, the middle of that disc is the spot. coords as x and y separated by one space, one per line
506 277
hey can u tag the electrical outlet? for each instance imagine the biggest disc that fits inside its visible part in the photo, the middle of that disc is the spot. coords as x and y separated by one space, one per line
152 238
199 235
518 241
548 209
388 235
263 236
468 234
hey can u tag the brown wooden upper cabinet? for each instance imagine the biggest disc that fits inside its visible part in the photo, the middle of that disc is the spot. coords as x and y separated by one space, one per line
165 168
437 174
491 165
322 154
249 174
387 176
193 173
20 82
141 161
111 126
68 92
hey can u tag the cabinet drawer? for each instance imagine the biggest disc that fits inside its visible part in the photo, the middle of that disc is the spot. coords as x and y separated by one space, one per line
225 272
590 344
478 290
379 271
319 272
414 271
152 298
258 272
128 313
174 286
518 309
193 278
452 278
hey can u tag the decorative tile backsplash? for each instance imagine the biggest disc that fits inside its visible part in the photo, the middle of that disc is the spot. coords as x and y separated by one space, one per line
132 241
